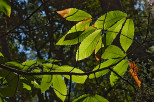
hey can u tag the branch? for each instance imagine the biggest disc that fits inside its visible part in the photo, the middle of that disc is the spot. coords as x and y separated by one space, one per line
20 72
122 78
7 33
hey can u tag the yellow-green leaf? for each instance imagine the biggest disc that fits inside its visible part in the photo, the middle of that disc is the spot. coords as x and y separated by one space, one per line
5 7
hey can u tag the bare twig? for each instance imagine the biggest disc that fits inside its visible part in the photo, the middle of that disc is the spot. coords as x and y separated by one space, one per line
7 33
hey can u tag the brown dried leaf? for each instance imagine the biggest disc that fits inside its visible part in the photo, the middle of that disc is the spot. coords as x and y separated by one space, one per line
64 12
134 72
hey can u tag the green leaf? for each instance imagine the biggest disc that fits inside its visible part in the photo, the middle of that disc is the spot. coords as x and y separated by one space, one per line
49 67
100 99
45 82
112 52
1 100
36 85
99 45
76 34
127 34
75 78
1 54
88 99
81 98
9 89
14 64
28 64
120 69
110 18
88 45
5 7
40 61
53 60
101 66
95 98
73 14
59 87
26 86
112 32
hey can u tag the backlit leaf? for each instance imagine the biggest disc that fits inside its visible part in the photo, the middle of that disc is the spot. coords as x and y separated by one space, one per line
73 14
75 78
99 98
110 18
5 7
98 50
81 98
76 34
113 31
1 54
120 69
112 52
103 65
95 98
28 64
59 87
45 82
14 64
26 86
88 45
127 34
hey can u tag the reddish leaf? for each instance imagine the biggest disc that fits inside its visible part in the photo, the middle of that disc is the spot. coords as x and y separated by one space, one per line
64 12
134 67
134 72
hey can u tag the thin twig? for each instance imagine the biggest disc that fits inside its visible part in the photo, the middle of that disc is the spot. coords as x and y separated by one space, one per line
7 33
70 87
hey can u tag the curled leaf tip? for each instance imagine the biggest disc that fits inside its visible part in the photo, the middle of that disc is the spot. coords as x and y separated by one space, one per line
63 13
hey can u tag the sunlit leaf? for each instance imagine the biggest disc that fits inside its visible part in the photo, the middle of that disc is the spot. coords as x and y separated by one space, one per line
49 67
53 60
98 49
113 31
59 87
120 69
134 73
112 52
75 78
81 98
28 64
5 7
88 99
45 82
1 54
26 86
110 18
101 66
36 85
95 98
88 45
14 64
127 34
73 14
76 34
99 98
